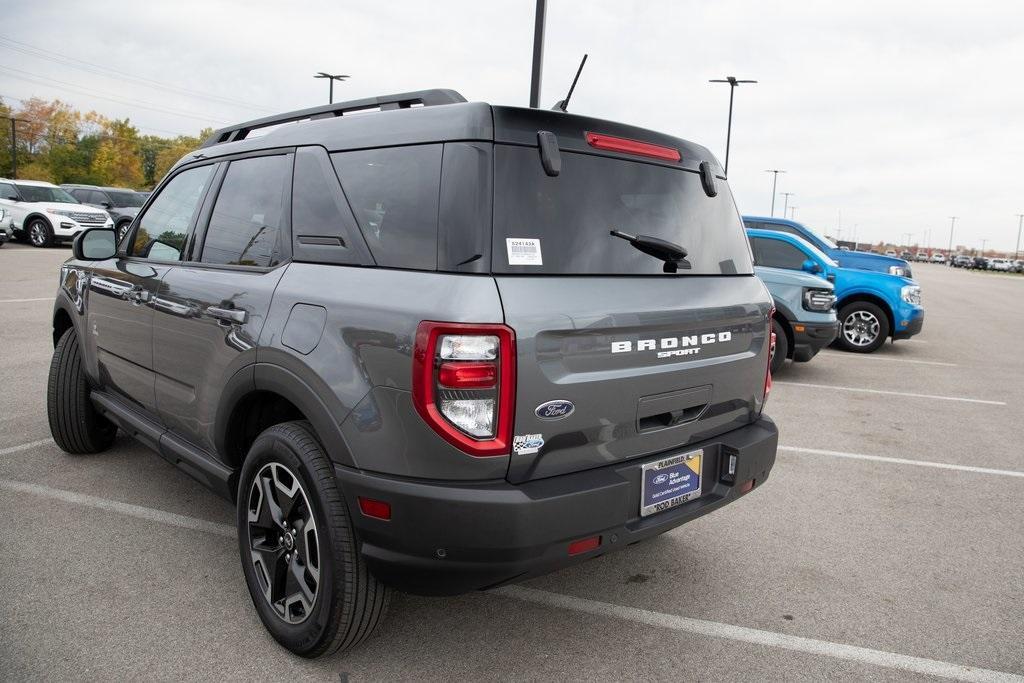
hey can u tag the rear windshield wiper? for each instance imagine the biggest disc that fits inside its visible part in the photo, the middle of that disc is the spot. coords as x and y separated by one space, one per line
671 253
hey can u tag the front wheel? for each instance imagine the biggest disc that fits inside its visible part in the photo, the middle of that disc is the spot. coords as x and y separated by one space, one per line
309 584
122 230
39 233
863 327
781 346
74 423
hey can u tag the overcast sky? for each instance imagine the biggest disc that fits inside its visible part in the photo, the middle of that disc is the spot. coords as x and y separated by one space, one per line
894 115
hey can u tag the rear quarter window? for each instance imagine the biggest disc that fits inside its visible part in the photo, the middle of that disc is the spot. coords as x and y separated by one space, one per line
571 215
393 193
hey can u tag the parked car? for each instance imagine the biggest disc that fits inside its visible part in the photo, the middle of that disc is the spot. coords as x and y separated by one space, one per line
906 255
1018 266
890 252
4 234
805 313
845 259
921 256
45 214
938 257
121 203
962 261
979 263
1001 264
427 348
872 306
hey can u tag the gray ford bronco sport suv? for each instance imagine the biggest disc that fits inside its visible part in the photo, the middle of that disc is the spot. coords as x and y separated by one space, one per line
436 348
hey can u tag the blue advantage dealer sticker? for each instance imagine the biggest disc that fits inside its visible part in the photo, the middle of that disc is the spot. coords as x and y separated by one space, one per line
670 482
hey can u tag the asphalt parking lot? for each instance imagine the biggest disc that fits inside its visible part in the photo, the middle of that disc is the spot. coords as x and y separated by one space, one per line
887 543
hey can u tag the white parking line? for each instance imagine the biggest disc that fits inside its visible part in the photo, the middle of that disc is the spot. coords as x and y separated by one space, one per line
905 461
21 301
889 393
24 446
119 507
862 356
714 629
881 658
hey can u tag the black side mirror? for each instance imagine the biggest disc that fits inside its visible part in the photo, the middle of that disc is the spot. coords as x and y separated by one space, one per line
106 205
11 199
95 244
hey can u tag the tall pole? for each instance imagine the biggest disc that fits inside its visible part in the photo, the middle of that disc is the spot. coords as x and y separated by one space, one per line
733 82
14 145
983 247
1020 224
775 179
792 213
538 53
785 202
952 222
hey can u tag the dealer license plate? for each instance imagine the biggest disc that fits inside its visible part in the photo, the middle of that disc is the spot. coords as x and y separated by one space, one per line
670 482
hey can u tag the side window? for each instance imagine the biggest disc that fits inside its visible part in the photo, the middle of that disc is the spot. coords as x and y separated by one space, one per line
97 197
7 191
323 228
394 195
162 229
777 254
247 222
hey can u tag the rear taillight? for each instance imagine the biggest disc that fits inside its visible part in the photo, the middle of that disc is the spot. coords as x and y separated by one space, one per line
627 146
463 384
771 354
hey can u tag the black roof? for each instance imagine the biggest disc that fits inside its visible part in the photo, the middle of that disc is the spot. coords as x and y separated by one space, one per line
433 116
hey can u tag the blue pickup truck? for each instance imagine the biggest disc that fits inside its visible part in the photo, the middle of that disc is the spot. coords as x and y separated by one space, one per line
872 306
845 258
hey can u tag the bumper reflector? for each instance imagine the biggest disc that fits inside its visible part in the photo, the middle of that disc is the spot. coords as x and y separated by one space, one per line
747 486
584 545
377 509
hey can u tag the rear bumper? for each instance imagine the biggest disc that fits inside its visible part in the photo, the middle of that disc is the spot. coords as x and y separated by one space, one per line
446 538
814 338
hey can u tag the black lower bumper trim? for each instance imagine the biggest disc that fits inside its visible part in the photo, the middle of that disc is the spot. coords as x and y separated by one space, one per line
913 328
446 538
813 338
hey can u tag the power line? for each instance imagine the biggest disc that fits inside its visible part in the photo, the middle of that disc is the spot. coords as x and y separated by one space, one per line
64 85
100 70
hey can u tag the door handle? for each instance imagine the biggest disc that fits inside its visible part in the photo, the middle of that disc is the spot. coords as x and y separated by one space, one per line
228 315
138 295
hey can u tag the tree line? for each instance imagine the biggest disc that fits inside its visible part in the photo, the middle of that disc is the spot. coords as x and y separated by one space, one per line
59 144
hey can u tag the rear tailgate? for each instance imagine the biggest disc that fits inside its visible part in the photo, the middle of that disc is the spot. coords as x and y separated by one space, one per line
648 364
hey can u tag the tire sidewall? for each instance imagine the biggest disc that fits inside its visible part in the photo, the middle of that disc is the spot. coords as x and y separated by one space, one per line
781 346
47 232
883 326
308 635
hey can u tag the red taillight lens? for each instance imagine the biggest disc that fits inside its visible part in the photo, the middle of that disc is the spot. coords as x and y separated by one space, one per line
584 545
771 354
463 384
378 509
467 375
627 146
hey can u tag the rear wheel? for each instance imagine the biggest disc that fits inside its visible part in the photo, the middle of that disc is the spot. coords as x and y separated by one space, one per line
39 233
863 327
781 346
301 561
74 423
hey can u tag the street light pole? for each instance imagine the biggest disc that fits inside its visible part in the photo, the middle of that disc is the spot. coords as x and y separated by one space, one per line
785 202
538 53
983 247
1020 224
733 82
775 179
792 213
952 222
14 145
330 80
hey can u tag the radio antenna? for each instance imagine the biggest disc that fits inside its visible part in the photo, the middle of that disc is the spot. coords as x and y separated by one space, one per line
563 105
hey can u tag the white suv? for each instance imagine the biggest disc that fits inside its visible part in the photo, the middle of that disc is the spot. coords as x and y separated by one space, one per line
1003 264
45 214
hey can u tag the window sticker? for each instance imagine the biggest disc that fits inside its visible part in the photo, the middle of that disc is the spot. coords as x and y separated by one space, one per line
523 251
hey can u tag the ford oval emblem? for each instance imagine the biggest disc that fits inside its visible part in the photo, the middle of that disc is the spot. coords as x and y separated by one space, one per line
660 479
555 410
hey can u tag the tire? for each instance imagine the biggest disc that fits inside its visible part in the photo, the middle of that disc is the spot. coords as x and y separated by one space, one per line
863 327
39 233
781 346
287 463
122 230
74 423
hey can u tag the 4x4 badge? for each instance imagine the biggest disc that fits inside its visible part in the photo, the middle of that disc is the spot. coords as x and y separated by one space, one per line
555 410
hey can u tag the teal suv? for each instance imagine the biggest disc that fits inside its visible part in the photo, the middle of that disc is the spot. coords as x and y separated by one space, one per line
805 313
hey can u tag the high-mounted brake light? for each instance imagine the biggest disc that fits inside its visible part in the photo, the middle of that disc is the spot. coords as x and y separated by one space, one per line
463 384
627 146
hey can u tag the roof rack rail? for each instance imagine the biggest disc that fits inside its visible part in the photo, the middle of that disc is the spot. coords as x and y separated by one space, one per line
425 98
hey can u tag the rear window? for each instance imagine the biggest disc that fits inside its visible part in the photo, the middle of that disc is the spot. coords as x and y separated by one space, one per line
569 217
